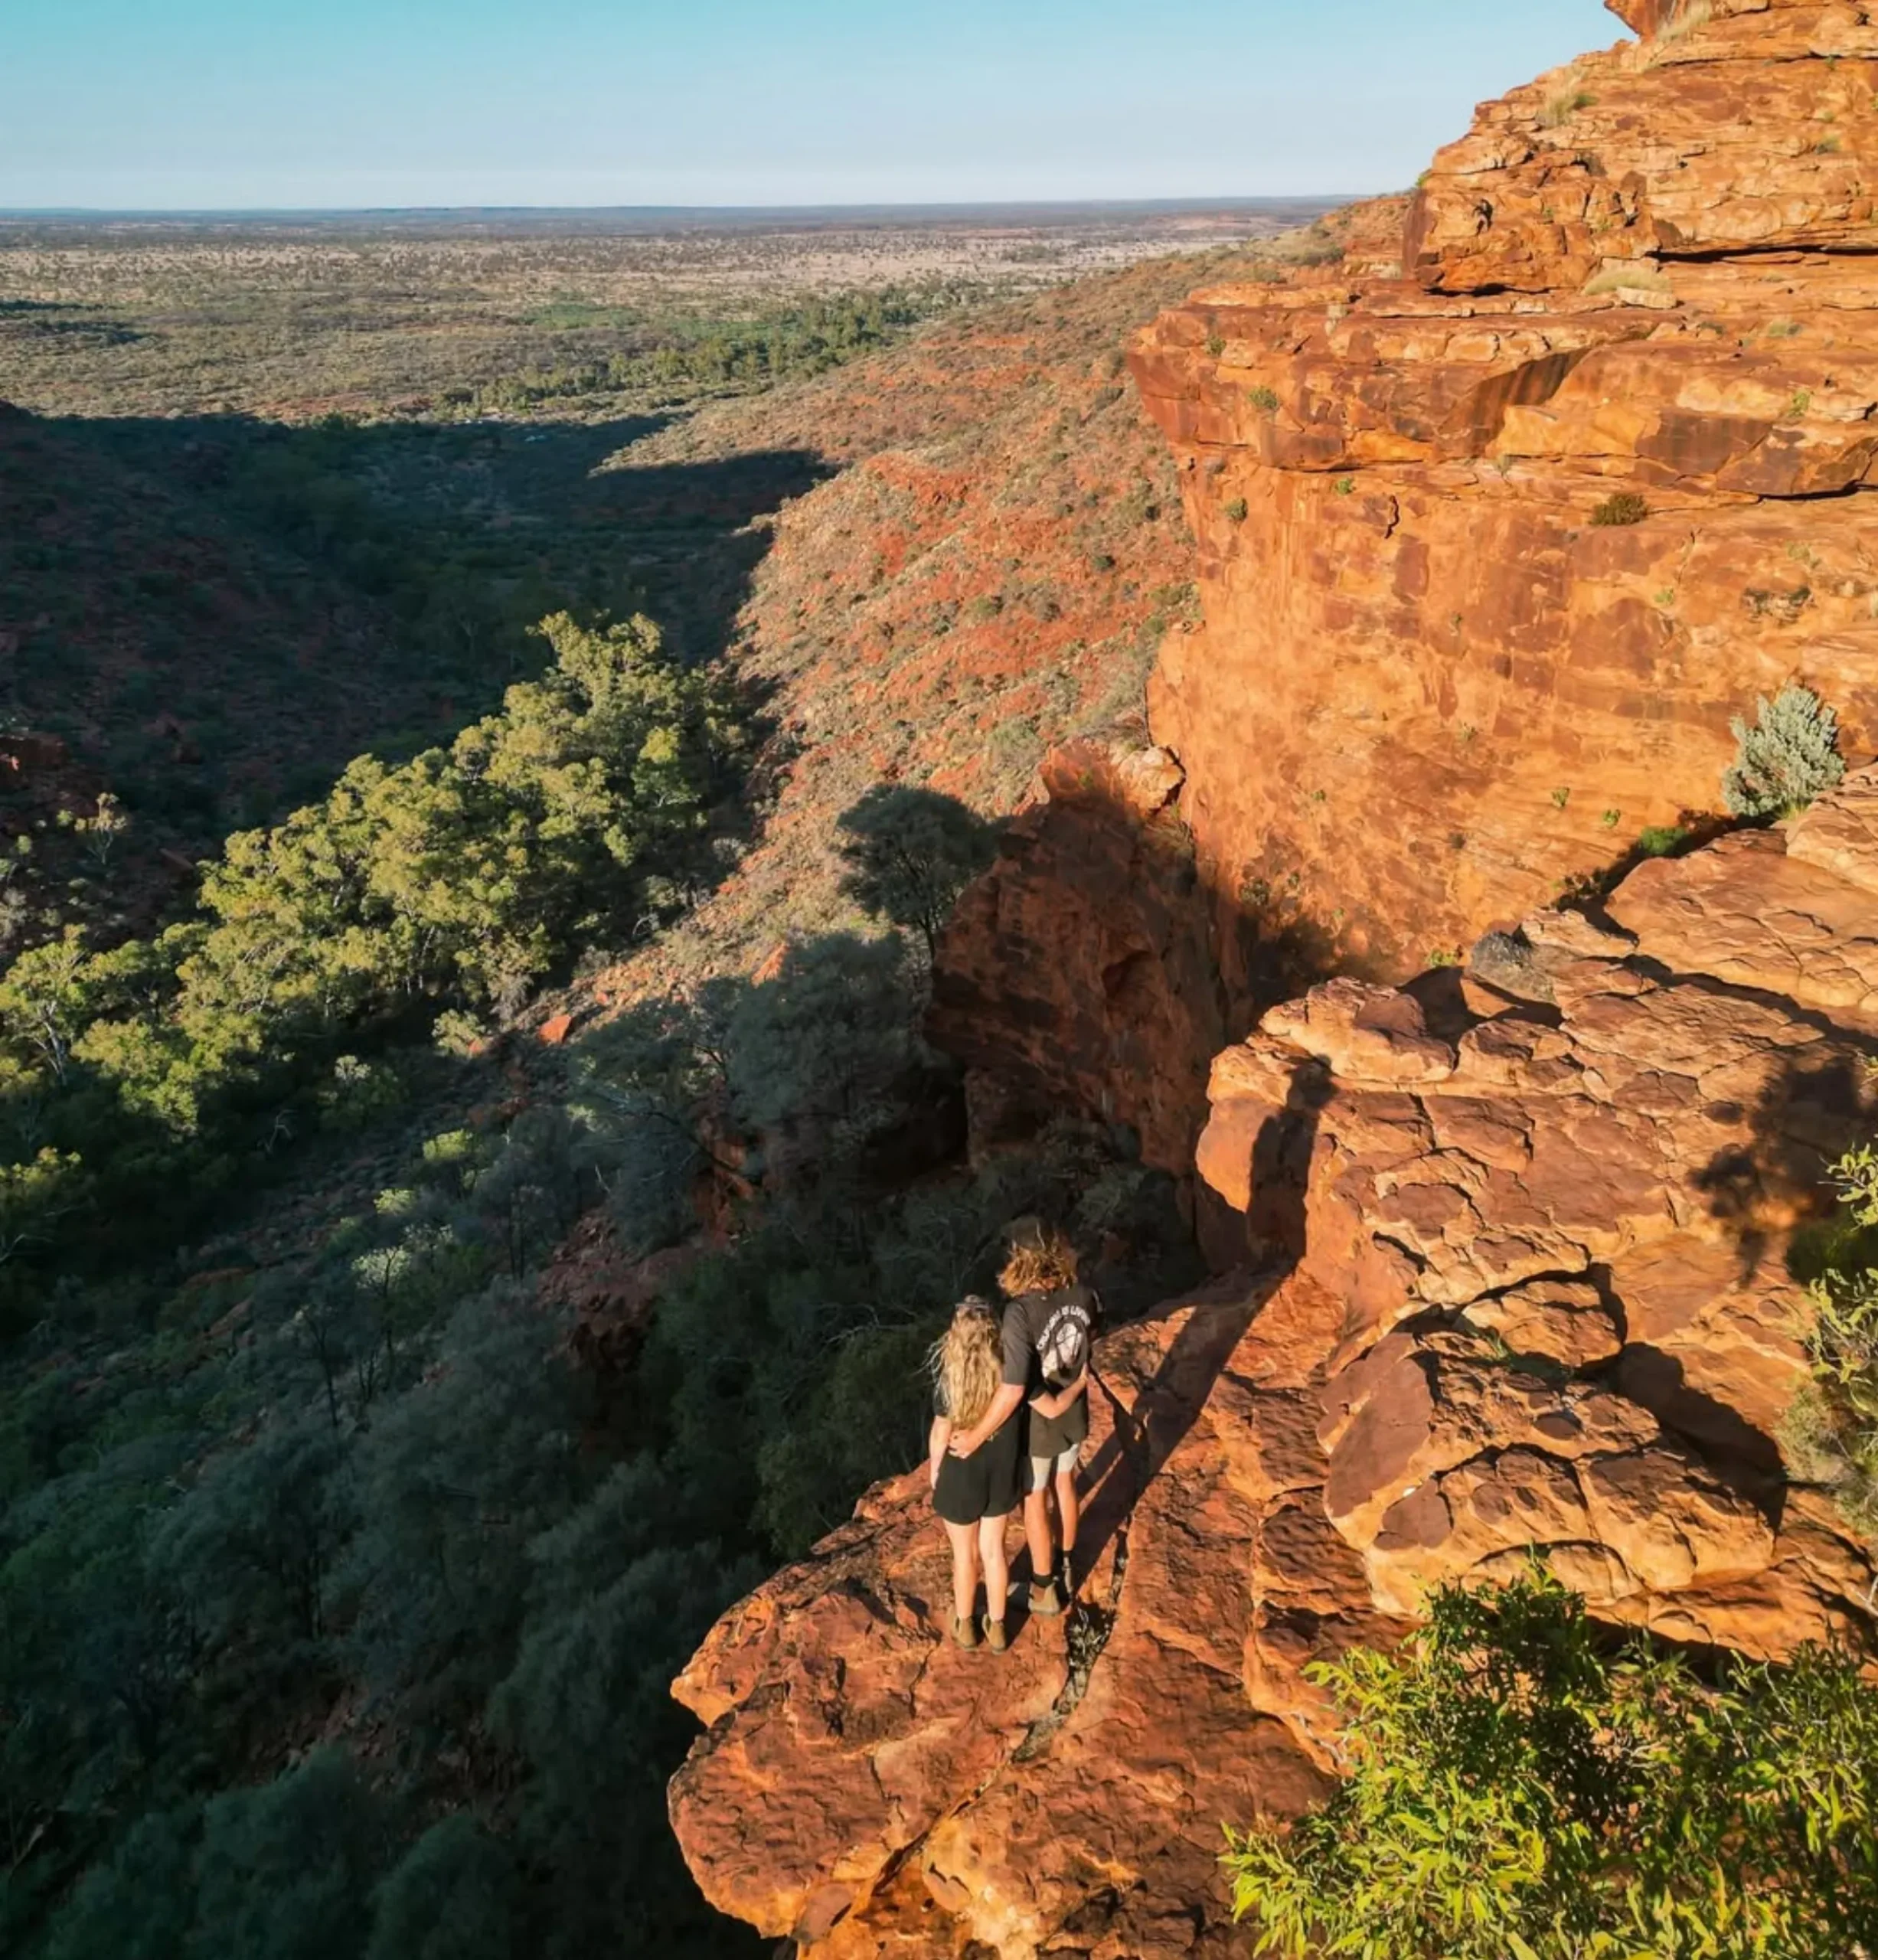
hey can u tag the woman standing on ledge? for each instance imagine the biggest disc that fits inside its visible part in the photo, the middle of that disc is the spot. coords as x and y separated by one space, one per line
1044 1364
974 1495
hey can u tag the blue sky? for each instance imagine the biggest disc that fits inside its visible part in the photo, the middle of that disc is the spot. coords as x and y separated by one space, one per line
231 104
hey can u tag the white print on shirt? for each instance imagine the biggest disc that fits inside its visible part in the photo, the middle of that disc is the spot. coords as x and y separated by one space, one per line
1063 1344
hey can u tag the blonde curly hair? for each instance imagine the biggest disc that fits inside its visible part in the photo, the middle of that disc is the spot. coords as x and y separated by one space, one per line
967 1361
1042 1260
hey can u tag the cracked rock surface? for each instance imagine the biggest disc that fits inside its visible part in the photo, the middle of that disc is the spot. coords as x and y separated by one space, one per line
1557 1227
868 1788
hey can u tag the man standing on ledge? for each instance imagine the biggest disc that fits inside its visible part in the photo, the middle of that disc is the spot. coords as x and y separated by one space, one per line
1047 1331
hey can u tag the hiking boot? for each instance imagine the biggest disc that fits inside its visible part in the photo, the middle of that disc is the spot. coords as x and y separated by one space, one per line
995 1637
1045 1600
966 1631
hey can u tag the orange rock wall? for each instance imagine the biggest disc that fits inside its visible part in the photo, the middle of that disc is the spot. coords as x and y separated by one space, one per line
1515 1231
1588 1154
1431 686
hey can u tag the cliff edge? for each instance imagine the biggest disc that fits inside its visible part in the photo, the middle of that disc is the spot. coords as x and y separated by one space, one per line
1526 1286
1501 520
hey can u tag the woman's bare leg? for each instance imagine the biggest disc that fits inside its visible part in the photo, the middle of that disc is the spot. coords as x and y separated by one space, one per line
965 1540
997 1565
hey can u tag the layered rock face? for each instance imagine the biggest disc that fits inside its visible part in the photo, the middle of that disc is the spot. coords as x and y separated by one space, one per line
1553 1198
1524 1290
1496 538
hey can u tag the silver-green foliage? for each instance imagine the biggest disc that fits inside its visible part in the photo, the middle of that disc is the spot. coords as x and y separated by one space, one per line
1520 1787
1789 756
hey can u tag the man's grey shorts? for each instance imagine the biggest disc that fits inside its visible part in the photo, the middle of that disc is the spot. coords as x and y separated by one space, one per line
1044 1467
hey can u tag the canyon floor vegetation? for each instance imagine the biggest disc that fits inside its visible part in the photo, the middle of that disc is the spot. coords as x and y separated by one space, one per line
383 681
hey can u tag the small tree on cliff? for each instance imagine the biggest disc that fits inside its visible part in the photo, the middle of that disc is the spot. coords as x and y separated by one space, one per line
1520 1787
909 853
1787 759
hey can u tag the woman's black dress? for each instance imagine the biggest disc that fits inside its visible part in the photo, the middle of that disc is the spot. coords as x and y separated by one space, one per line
985 1484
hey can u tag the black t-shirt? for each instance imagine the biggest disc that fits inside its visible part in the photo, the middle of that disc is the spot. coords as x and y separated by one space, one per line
1046 1342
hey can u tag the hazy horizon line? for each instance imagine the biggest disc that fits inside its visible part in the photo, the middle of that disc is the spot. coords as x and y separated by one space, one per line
1225 201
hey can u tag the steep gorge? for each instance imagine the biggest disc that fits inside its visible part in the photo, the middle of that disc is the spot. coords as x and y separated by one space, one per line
1497 529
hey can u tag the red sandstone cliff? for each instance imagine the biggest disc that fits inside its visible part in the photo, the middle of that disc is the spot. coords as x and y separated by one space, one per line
1516 1235
1080 974
1431 684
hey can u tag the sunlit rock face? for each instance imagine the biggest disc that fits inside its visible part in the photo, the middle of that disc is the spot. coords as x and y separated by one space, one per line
1555 1210
1502 518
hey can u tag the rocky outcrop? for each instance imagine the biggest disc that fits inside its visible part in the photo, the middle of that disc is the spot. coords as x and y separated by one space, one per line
1520 1289
1557 1226
867 1788
1495 539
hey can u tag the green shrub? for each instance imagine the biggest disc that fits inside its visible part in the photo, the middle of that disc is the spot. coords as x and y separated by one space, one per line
1661 840
1264 399
285 1866
1624 507
1520 1787
1236 509
1789 756
1831 1430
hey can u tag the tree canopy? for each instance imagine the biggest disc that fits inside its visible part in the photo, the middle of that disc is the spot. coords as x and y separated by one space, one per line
460 878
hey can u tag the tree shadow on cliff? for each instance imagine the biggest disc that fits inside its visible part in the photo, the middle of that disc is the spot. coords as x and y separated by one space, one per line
1153 964
1100 966
1778 1176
